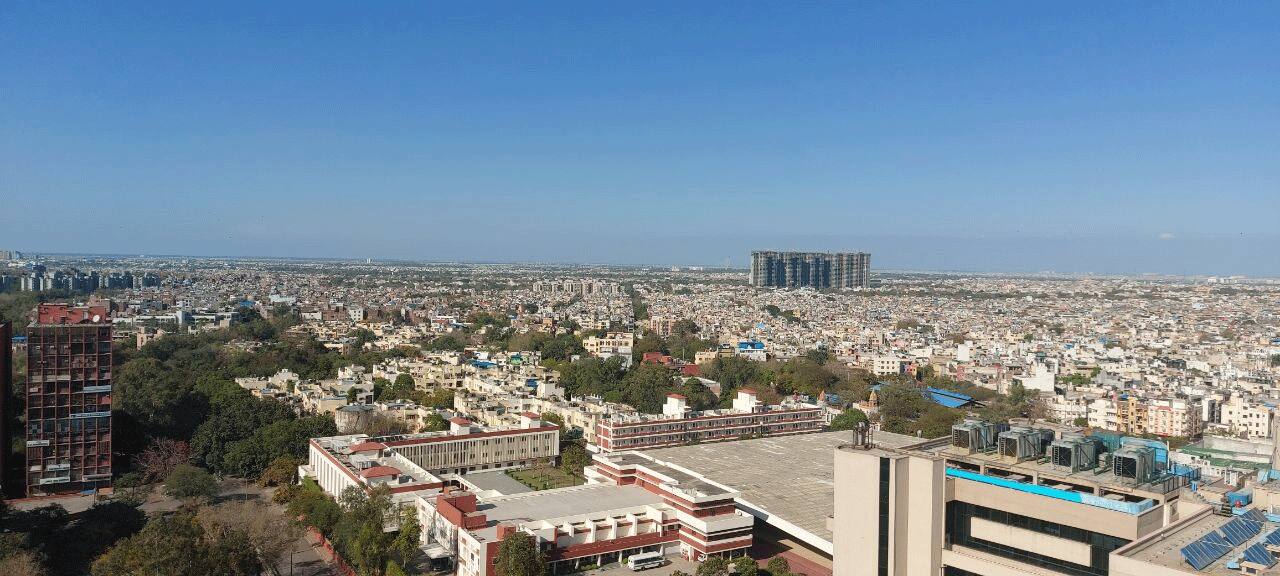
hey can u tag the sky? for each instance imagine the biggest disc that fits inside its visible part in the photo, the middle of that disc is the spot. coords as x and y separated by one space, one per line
979 136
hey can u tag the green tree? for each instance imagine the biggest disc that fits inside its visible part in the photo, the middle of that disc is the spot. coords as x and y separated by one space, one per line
282 471
745 566
646 386
434 423
778 566
169 545
190 483
848 420
405 545
714 566
573 459
518 555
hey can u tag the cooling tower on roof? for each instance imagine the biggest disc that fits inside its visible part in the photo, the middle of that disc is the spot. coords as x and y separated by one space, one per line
1075 453
1023 443
975 435
1135 463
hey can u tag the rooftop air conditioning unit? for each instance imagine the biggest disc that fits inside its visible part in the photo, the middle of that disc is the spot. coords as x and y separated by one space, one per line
975 435
1075 453
1136 464
1023 443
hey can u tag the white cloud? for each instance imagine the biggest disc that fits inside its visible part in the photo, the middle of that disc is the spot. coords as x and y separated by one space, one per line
1166 236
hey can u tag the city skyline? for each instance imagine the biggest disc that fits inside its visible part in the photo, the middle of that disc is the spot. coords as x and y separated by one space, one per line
989 138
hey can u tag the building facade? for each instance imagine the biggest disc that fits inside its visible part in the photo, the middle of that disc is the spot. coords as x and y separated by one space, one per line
411 461
630 505
68 430
995 503
810 269
677 425
6 385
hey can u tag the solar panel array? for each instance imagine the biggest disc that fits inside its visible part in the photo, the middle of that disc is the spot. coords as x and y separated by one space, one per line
1239 530
1258 554
1204 551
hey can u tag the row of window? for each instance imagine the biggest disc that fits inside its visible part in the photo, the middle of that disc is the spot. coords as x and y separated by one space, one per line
959 515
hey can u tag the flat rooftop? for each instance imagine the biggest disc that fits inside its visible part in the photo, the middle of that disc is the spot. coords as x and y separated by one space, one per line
1165 550
685 482
788 481
496 481
550 505
1101 477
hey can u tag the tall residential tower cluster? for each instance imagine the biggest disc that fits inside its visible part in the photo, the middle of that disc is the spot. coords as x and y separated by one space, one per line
810 269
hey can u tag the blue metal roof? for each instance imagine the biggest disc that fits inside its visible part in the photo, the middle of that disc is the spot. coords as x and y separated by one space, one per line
949 398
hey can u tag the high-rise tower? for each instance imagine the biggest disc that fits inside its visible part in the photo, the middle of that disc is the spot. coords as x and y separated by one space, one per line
68 428
811 269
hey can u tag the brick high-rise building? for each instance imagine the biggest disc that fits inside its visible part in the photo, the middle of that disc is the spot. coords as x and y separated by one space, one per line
811 269
6 385
68 399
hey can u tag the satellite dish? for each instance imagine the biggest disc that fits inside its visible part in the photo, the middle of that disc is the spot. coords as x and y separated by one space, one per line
96 318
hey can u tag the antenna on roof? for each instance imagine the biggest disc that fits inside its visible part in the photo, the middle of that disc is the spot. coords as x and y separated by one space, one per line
862 436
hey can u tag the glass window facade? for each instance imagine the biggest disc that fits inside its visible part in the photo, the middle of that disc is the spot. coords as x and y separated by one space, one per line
959 515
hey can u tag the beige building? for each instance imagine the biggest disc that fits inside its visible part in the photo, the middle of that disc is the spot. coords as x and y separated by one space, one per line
992 503
1246 418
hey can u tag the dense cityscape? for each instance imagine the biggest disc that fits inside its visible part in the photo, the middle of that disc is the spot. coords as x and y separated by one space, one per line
454 405
668 288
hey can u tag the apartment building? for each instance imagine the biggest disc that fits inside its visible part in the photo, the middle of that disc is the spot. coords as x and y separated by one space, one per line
1246 417
678 425
632 505
68 429
996 502
885 365
810 269
610 345
1174 417
663 326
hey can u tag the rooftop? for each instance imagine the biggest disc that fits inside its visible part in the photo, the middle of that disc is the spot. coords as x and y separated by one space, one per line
550 505
1215 543
791 478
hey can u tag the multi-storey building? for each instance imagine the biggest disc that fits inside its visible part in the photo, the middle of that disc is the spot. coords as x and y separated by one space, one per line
6 384
68 430
1245 417
631 505
810 269
989 502
464 448
678 425
611 344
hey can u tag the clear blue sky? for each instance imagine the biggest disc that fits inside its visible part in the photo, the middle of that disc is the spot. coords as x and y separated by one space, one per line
1105 137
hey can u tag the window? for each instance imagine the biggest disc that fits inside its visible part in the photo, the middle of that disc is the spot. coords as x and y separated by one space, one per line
1101 545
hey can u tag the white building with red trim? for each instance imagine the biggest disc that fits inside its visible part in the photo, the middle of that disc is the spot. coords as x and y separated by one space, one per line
678 425
632 505
409 463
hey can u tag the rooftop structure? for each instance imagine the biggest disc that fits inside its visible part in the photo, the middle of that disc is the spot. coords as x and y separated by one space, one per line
631 505
678 425
991 498
787 482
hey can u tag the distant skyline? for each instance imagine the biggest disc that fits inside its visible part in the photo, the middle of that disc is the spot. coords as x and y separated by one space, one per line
1000 137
